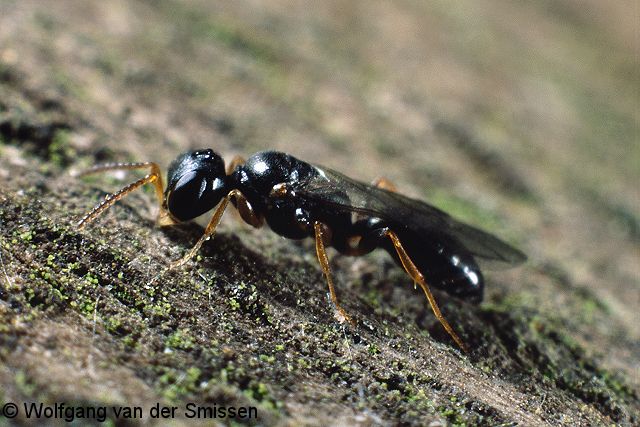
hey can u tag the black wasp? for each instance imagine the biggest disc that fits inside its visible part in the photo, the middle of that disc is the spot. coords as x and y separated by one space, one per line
298 200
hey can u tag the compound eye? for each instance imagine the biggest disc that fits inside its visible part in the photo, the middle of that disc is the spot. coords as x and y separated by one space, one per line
194 194
190 184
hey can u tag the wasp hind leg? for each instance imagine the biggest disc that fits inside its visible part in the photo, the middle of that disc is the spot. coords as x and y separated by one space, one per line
321 235
418 278
153 177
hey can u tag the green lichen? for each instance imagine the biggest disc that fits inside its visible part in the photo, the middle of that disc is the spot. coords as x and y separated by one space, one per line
26 236
24 384
180 340
61 153
175 384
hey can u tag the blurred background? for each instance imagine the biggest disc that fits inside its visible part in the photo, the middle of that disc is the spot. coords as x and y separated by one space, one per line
522 118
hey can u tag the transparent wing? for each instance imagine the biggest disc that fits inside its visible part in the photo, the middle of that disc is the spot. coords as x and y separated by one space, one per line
343 193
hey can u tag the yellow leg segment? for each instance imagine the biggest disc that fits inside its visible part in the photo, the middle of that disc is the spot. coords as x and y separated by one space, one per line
209 231
154 177
324 263
417 277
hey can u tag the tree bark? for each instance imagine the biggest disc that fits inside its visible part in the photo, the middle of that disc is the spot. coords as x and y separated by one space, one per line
519 119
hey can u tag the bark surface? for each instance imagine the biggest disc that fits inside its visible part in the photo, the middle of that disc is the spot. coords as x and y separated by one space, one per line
519 118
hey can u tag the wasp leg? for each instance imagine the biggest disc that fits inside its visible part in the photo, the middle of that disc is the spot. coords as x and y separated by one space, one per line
154 170
235 162
417 277
385 184
209 232
245 210
321 233
153 177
